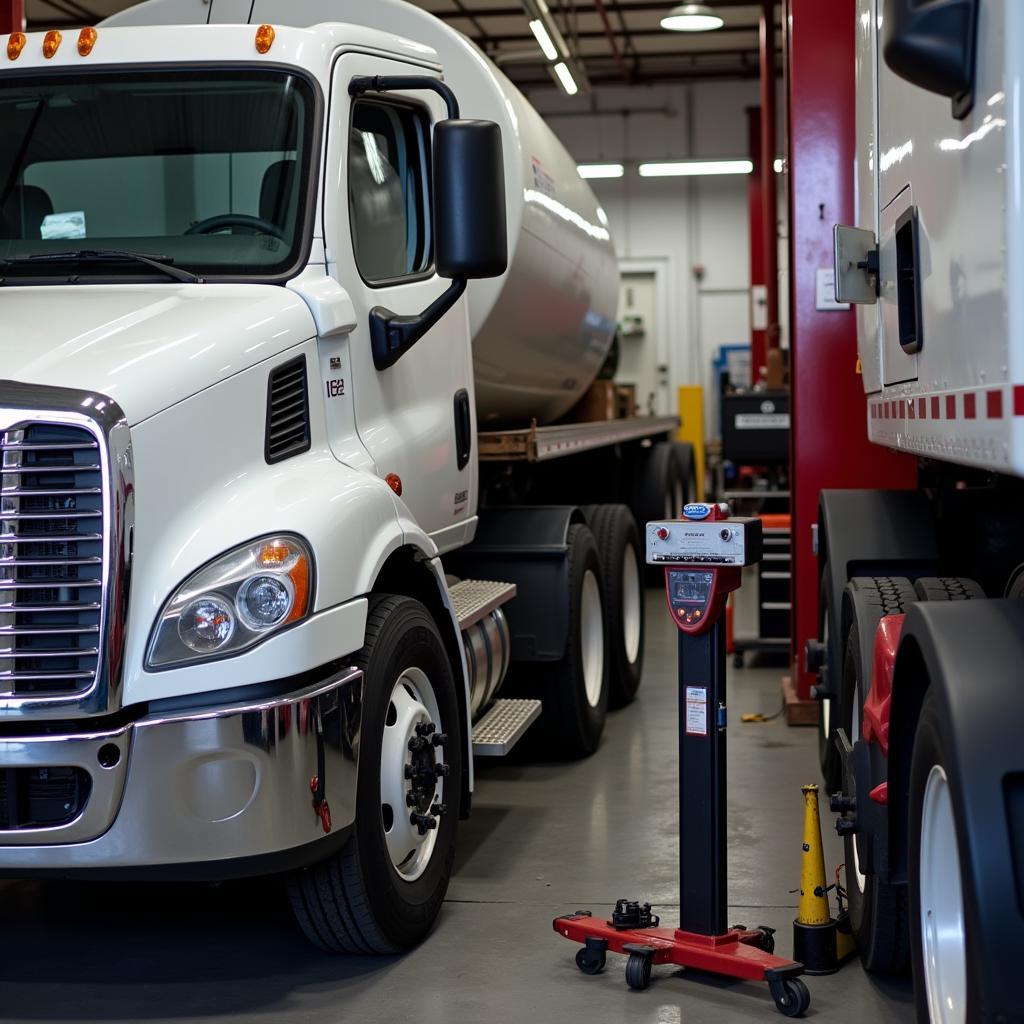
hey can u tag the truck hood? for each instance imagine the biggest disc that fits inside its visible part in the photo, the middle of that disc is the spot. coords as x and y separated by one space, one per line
146 346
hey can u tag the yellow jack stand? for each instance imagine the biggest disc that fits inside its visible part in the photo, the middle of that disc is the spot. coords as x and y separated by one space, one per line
820 942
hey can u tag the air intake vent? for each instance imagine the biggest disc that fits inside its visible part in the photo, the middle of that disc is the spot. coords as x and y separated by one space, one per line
287 411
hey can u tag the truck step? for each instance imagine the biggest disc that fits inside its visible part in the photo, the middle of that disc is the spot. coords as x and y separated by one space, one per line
503 726
474 599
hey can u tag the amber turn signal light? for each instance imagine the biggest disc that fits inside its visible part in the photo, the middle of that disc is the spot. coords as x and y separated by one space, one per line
51 42
264 38
394 481
86 41
15 44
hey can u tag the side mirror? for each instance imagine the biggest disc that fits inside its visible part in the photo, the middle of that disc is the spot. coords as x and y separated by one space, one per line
470 238
932 45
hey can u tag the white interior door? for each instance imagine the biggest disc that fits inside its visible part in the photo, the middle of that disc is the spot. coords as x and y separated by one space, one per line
640 342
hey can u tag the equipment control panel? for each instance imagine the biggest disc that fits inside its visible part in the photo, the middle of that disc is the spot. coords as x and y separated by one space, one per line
723 542
689 594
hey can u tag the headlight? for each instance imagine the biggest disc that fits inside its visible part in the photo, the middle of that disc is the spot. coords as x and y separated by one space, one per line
234 602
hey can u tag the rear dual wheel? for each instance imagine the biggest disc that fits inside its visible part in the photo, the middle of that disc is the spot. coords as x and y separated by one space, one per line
622 565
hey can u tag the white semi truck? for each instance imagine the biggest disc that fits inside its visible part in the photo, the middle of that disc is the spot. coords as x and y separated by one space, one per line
296 300
922 620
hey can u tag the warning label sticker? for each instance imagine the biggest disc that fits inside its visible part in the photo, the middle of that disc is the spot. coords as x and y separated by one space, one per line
696 711
762 421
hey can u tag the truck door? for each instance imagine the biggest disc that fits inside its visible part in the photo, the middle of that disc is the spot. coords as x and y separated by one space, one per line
416 418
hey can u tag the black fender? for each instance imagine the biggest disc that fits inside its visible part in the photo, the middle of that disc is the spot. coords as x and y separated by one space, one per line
869 533
527 546
965 652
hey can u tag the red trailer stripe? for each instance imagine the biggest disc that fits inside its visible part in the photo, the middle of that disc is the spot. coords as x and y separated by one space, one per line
1018 400
922 408
935 407
994 405
911 406
970 409
950 407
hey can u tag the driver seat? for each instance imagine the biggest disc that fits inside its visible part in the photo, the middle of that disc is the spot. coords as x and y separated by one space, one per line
278 195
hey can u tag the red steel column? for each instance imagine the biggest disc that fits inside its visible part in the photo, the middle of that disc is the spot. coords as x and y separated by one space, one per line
756 217
829 446
770 212
12 16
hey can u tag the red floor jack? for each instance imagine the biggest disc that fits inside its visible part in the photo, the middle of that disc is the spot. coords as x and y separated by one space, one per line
703 555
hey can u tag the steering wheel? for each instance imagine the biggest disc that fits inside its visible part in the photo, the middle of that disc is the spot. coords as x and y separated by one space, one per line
255 225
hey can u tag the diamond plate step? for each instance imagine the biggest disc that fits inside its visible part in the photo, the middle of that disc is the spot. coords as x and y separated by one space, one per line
474 599
503 726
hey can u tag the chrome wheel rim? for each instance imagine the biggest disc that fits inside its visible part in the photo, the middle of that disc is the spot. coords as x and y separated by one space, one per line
631 607
412 703
943 935
592 638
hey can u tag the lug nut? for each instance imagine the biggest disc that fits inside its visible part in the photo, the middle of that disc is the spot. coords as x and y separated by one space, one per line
440 739
410 772
441 771
417 743
840 803
425 728
438 809
846 826
814 655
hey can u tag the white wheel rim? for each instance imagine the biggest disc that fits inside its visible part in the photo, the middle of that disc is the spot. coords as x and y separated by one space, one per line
412 703
631 607
826 704
943 936
592 638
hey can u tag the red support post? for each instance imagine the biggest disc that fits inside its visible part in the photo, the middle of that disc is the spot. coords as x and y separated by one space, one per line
12 16
756 216
769 203
829 445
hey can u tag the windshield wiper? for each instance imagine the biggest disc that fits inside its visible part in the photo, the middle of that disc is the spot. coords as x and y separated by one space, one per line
161 263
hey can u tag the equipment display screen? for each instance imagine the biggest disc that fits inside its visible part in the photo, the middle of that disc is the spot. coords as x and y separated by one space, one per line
691 587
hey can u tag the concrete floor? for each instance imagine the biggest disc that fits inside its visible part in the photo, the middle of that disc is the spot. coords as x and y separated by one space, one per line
543 840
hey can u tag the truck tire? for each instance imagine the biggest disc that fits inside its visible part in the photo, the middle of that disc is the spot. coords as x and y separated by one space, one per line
622 565
383 890
939 938
947 588
660 493
878 910
574 690
828 753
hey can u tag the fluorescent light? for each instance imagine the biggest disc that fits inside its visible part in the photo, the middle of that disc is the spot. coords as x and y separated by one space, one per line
777 165
565 77
600 170
687 168
543 39
691 18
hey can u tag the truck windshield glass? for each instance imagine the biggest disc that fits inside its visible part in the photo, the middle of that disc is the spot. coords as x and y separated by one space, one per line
208 171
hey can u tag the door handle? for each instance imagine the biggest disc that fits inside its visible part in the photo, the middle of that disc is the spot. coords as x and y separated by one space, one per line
463 429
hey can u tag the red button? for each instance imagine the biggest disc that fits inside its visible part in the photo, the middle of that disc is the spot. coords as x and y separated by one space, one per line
662 533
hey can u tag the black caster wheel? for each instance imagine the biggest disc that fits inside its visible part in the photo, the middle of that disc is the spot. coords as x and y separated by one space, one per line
767 941
791 997
590 962
638 971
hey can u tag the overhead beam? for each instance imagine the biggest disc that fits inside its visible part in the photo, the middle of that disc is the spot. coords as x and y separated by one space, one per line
590 8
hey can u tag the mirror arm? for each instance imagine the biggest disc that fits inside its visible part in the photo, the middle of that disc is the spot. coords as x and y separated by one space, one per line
391 335
386 83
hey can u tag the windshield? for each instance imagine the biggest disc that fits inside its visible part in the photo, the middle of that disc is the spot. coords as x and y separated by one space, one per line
207 170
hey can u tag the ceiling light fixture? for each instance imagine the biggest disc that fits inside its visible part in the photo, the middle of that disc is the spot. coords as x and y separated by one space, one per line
691 18
600 170
690 168
568 83
543 39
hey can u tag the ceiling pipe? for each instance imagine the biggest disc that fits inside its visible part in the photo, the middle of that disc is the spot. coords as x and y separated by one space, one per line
613 42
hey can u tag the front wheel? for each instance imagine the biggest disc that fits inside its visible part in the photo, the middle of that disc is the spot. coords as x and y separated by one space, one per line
382 892
938 931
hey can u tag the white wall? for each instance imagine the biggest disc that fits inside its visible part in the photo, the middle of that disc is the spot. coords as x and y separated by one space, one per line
680 223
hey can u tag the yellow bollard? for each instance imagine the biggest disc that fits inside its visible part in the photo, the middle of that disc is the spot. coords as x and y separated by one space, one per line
813 898
820 942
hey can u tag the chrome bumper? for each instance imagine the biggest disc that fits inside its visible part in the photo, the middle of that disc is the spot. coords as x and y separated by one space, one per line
199 787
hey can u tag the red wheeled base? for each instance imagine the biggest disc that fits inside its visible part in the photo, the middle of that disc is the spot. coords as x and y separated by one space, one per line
738 953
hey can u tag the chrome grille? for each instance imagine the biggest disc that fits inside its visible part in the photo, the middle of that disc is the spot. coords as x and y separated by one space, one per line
51 560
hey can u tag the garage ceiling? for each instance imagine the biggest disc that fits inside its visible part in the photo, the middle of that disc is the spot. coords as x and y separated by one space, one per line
617 41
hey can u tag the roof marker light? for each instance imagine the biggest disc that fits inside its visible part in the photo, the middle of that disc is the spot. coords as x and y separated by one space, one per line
15 44
264 38
86 41
51 41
